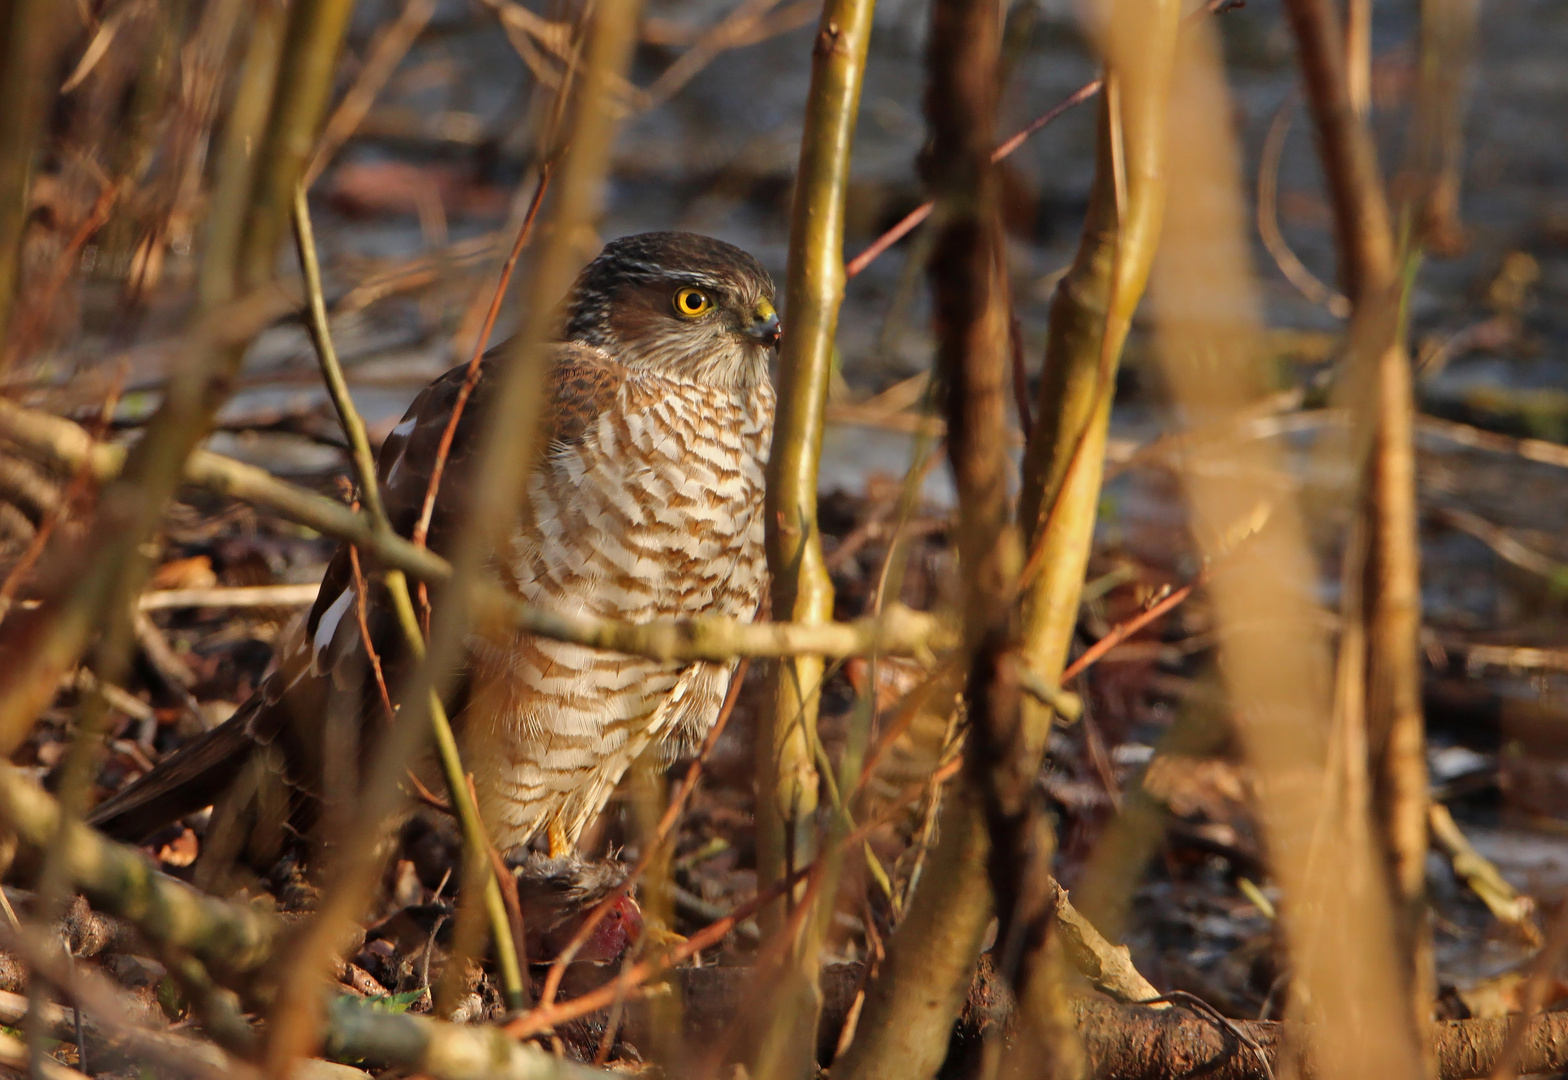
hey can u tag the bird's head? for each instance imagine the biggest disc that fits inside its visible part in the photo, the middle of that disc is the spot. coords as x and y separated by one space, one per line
678 303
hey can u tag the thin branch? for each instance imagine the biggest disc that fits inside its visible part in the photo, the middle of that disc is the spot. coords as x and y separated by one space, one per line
909 221
476 840
1295 271
481 343
232 939
897 631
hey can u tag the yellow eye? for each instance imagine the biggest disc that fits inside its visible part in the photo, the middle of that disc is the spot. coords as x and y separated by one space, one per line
690 303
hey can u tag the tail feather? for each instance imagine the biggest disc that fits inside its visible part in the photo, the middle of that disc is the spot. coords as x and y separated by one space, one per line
186 781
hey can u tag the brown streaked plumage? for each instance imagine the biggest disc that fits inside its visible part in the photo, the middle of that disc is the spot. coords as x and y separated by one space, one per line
646 502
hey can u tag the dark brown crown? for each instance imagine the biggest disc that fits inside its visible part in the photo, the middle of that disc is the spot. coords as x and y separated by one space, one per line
678 258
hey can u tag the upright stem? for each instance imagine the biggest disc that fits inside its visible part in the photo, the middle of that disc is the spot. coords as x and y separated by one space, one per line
1364 235
1090 318
1274 653
304 87
1390 578
802 591
243 132
969 294
910 1006
29 33
1358 56
1445 54
476 841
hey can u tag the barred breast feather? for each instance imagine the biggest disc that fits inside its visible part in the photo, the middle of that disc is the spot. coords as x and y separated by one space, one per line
654 510
646 503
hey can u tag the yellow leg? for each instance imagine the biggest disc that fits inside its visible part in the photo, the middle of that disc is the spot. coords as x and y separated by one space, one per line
559 845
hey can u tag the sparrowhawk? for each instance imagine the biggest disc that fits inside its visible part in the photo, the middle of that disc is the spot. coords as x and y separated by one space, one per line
645 502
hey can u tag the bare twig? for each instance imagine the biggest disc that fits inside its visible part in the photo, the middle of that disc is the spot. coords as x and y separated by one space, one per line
1505 902
898 630
386 53
237 597
475 838
1295 271
909 221
1547 453
481 343
1507 545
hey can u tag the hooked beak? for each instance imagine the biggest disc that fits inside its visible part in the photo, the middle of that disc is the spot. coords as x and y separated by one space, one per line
765 326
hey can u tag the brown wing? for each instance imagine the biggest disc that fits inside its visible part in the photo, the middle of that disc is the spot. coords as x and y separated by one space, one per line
325 680
583 382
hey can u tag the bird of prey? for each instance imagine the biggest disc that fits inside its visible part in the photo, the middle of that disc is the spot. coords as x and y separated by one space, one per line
644 502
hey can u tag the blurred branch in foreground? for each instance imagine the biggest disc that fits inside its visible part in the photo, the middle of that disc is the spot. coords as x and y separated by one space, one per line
507 447
1274 655
40 649
1378 703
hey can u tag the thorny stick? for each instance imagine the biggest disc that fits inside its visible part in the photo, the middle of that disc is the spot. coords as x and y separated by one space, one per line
666 824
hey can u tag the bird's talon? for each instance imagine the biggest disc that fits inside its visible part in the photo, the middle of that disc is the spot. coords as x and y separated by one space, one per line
560 846
662 937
